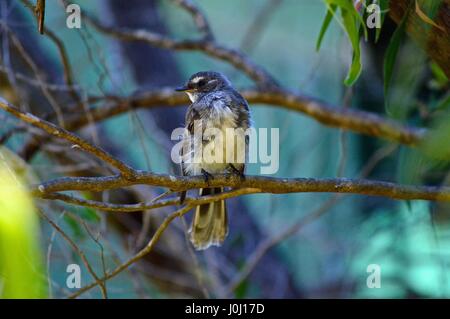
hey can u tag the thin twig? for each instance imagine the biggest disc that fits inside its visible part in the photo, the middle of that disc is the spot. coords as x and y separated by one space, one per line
147 249
23 52
40 15
234 57
259 23
198 17
78 250
139 207
26 79
102 256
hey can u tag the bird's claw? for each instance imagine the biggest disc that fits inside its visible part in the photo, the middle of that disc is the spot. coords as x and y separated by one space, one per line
207 176
182 197
237 172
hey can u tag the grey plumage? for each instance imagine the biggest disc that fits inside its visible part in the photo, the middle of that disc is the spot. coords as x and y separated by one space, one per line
218 105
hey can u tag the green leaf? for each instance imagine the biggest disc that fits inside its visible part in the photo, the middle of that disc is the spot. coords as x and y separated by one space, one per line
326 23
348 6
391 54
241 290
74 226
350 24
439 74
88 214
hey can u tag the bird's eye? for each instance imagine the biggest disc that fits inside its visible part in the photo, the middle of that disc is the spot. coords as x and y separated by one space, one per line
201 82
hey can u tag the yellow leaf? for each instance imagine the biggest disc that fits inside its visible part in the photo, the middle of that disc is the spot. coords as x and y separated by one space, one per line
425 18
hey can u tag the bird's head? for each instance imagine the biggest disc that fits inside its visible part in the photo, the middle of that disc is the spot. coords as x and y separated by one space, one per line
202 83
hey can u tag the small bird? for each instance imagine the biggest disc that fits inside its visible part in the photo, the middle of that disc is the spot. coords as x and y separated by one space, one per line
215 104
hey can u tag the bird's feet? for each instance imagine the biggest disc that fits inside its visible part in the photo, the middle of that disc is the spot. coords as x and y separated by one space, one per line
182 197
237 172
207 176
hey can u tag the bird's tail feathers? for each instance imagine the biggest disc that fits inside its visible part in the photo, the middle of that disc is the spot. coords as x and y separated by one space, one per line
210 223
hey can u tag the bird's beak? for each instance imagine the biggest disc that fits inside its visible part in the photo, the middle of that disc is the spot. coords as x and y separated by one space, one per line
183 88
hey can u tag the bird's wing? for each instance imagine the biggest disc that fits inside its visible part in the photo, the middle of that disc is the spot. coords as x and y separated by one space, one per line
191 116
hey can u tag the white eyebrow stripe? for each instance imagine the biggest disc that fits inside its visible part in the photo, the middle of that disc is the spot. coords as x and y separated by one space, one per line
197 79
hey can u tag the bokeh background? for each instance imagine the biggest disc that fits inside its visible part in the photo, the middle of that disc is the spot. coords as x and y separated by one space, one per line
325 257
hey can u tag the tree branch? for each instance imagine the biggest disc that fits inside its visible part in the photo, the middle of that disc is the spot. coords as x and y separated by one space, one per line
129 208
209 47
68 75
263 184
362 122
358 121
54 130
129 176
40 15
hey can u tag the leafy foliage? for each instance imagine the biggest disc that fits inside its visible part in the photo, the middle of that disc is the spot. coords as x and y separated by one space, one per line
391 54
352 23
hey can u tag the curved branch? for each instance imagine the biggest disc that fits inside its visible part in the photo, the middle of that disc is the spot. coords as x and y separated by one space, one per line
129 208
54 130
354 120
198 17
362 122
211 48
264 184
357 121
